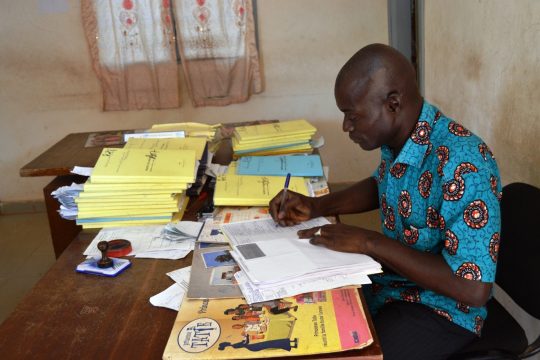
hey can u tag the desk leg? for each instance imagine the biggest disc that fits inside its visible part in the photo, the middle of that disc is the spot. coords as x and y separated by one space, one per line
62 231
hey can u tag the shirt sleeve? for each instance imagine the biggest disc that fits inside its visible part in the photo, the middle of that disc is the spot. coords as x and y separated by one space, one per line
471 220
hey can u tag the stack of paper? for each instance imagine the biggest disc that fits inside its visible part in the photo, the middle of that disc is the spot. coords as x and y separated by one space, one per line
151 241
172 297
191 129
145 134
66 197
280 165
136 186
211 231
271 139
245 190
115 166
198 144
258 245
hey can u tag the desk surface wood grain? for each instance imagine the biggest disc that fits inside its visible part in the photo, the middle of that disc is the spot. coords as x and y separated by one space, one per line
60 158
68 315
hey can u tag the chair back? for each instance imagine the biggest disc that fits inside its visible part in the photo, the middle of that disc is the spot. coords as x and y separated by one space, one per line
518 266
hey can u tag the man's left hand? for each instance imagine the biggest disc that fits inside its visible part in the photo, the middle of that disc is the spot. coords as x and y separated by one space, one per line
340 237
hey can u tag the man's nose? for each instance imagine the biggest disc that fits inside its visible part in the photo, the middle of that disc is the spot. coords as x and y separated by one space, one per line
347 125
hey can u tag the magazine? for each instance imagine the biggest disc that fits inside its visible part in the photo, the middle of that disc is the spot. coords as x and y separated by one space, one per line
311 323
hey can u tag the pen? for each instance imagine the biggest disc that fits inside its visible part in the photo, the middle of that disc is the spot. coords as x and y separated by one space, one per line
284 194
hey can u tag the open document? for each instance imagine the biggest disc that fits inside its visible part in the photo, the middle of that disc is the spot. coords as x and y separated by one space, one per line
274 261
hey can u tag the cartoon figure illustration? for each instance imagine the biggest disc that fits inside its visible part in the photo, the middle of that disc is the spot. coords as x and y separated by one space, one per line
311 298
284 344
265 325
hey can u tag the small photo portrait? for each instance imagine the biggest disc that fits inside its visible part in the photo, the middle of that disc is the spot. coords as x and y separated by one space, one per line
218 258
204 245
224 275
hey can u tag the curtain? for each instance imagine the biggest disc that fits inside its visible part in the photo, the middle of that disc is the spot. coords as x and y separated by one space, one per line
133 52
218 51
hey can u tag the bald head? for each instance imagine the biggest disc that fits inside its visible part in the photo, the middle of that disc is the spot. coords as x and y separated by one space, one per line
395 72
378 93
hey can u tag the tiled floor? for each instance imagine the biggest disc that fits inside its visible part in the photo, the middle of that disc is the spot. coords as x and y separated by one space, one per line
26 255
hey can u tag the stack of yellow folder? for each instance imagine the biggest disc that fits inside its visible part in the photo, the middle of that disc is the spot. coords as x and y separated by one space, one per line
285 137
189 143
134 186
249 190
198 144
191 129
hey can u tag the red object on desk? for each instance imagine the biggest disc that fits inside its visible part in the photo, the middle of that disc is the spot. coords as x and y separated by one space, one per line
118 248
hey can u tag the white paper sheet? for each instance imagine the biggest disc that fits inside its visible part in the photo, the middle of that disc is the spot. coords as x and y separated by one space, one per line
251 231
173 296
253 294
273 257
81 170
145 242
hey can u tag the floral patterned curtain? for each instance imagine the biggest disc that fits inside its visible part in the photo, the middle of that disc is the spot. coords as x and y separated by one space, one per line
133 52
218 51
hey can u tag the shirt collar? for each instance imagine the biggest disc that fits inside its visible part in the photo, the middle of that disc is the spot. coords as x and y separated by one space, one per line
416 146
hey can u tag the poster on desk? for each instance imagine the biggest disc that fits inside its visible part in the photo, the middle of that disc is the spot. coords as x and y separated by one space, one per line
311 323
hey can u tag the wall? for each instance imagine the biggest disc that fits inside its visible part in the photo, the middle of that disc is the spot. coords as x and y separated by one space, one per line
483 69
48 89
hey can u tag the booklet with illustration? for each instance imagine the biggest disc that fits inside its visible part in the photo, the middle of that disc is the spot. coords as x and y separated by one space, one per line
213 274
311 323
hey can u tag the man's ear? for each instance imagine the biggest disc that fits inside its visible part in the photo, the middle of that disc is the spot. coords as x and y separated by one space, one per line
393 101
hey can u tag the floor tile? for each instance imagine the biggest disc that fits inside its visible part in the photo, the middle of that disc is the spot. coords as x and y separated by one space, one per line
27 254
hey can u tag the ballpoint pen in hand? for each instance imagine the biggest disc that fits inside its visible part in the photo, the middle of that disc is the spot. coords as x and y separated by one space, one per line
284 194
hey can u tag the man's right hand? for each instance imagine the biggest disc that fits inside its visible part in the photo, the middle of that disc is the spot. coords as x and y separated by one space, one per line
296 208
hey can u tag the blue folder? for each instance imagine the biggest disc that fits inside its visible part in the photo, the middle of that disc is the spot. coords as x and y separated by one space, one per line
280 165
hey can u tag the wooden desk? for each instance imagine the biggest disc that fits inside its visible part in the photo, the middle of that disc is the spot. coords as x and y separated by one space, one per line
58 161
68 315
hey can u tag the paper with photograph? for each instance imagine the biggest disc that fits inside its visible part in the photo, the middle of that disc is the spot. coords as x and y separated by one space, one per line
213 281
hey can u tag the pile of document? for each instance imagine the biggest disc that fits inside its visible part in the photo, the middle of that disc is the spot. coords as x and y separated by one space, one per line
170 241
258 245
255 180
280 165
293 136
137 185
198 144
247 190
191 129
66 195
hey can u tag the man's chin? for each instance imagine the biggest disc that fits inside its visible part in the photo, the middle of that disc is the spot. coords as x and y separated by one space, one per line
366 147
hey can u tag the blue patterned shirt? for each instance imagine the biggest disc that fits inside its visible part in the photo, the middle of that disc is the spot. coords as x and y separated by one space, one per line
440 195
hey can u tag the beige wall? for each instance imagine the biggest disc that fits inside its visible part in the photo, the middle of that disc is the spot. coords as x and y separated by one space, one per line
483 69
48 90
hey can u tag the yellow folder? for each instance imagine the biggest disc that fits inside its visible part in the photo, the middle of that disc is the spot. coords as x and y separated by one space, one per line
89 186
290 127
190 143
97 213
144 166
246 190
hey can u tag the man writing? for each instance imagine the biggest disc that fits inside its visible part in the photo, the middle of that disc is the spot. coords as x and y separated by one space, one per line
438 191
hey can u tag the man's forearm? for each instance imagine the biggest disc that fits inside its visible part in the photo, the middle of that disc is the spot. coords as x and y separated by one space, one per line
429 271
360 197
